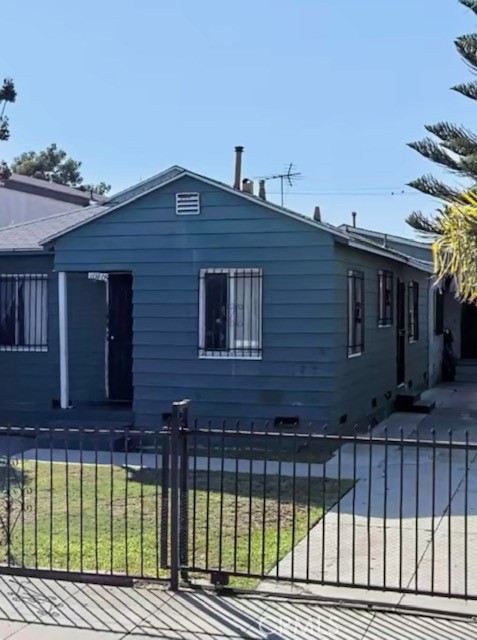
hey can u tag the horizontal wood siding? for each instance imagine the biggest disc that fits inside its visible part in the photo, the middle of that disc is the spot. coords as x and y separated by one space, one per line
373 374
30 380
165 253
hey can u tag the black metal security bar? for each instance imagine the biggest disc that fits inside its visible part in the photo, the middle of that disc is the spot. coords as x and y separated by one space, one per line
23 312
230 312
355 312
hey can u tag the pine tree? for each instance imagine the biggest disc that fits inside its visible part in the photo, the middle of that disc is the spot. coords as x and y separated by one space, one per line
453 147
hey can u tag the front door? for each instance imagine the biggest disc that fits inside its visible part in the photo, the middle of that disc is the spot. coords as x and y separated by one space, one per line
469 331
120 337
401 332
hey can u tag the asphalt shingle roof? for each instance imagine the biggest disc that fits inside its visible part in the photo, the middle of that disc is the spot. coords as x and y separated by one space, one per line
29 235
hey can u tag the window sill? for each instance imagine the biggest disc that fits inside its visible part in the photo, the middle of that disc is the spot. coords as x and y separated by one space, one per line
220 356
355 355
413 340
25 349
384 326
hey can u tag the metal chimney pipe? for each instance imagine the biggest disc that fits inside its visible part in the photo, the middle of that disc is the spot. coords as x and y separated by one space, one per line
238 167
354 214
317 214
261 190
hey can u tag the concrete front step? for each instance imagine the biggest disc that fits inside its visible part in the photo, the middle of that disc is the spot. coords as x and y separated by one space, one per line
405 400
466 374
423 406
462 377
469 370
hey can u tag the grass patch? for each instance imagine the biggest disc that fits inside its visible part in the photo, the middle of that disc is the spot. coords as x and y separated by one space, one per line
108 519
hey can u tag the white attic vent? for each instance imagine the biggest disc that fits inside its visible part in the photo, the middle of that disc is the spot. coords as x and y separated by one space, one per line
187 204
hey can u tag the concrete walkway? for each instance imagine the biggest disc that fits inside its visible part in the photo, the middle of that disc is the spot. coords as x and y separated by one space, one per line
351 545
32 609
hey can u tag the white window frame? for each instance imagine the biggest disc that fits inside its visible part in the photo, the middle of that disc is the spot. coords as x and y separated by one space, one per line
254 352
182 208
17 277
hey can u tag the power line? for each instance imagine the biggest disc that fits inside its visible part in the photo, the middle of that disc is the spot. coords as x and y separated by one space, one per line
351 193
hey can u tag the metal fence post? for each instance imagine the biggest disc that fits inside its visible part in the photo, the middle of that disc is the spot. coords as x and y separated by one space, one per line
177 538
165 477
184 491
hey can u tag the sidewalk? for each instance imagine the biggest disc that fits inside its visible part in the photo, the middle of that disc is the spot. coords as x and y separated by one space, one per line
33 609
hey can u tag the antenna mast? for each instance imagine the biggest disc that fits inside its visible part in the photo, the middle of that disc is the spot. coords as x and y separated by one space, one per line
289 176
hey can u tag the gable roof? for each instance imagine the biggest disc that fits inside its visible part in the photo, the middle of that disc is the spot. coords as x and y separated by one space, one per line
174 173
32 236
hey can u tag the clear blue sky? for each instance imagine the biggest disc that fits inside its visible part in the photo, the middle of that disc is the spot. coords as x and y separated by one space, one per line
132 87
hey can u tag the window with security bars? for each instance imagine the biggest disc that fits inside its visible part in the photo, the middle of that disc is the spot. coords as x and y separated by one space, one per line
355 313
230 313
23 312
385 298
413 311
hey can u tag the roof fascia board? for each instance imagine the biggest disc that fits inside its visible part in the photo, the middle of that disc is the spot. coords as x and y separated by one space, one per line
391 256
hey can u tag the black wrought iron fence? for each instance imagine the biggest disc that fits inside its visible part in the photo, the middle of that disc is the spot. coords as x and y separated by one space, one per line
82 503
243 505
380 510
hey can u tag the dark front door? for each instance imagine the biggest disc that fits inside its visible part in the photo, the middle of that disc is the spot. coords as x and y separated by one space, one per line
401 332
469 331
120 336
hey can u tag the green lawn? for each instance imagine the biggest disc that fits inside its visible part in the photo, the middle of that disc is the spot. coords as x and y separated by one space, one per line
107 519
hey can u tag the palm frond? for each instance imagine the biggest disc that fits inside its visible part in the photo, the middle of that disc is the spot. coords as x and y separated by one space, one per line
455 250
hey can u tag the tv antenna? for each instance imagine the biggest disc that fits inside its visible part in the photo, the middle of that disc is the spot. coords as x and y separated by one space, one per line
289 176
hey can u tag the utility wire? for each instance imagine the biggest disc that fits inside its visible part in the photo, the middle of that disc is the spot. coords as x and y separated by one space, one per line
348 193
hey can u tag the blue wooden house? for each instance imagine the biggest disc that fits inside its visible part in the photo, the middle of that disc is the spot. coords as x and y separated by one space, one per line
185 287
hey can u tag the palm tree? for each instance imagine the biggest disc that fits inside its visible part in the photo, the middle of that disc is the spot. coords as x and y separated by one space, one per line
455 245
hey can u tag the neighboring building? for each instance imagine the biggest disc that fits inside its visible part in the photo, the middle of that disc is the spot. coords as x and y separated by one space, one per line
23 199
185 287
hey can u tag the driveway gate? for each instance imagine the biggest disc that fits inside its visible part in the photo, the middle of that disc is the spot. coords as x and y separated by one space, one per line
242 505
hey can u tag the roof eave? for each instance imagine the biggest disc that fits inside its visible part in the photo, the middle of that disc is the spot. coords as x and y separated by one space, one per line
355 231
31 250
391 256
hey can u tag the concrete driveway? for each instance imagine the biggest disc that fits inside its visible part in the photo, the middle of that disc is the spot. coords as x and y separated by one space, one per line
405 528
